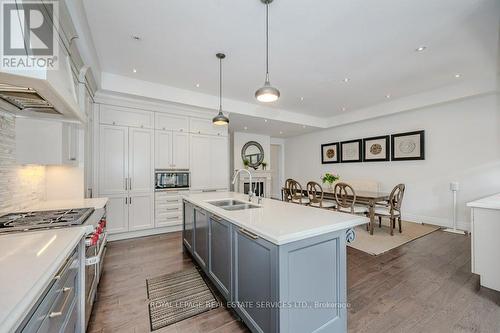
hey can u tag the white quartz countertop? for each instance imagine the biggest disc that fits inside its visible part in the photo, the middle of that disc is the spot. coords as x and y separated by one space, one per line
277 221
96 203
28 263
490 202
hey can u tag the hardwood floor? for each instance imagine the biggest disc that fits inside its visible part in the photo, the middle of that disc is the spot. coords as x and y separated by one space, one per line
423 286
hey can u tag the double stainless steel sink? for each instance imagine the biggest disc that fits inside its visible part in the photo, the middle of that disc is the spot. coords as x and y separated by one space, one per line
232 204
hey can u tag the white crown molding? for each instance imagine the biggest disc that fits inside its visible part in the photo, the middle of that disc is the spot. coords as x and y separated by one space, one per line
114 83
461 90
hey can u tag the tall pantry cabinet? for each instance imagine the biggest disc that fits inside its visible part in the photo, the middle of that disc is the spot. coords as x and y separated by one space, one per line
126 171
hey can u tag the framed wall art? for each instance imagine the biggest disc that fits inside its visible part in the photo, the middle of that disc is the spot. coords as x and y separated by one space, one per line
351 151
376 149
330 153
408 146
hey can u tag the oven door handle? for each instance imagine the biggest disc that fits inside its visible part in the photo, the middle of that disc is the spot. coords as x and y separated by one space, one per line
95 259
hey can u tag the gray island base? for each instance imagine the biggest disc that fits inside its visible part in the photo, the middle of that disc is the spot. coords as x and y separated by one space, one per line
298 286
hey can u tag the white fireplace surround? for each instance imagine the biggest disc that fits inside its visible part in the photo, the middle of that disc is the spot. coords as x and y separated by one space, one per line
263 176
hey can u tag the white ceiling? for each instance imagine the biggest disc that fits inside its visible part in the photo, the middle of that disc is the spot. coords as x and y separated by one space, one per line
273 128
314 46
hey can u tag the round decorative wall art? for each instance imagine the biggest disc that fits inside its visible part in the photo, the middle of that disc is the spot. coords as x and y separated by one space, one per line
376 148
407 146
330 153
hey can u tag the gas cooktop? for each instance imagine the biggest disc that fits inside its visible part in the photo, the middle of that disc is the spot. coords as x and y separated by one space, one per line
44 219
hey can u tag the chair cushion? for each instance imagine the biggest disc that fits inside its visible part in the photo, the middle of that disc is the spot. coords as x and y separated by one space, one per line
385 211
357 209
326 204
304 200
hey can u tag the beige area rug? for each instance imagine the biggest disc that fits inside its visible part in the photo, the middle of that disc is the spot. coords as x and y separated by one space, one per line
381 241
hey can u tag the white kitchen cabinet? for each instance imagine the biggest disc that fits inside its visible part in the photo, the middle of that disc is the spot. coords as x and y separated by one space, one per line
219 163
168 208
122 116
200 161
126 176
209 162
141 152
163 147
117 213
180 150
168 122
172 150
47 142
113 156
140 212
205 126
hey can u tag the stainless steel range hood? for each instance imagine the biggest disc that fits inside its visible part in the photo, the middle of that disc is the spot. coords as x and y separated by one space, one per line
22 100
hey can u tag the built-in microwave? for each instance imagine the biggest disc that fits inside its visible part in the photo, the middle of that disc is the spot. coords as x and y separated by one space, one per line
171 179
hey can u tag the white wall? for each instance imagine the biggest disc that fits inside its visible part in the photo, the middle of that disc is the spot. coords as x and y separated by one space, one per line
462 144
240 138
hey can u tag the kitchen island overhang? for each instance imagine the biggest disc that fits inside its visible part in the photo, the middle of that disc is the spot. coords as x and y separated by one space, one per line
282 267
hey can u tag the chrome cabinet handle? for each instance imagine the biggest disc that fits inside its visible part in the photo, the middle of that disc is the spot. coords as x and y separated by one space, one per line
130 184
249 234
172 208
172 200
63 306
63 269
173 218
126 183
130 200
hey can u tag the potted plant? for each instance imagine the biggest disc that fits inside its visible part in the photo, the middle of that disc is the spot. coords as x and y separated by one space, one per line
264 165
330 178
246 163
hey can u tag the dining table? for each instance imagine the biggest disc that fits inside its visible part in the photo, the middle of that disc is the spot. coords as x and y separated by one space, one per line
365 198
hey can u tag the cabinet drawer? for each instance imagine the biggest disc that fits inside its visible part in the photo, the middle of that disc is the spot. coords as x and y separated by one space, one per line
58 299
168 209
169 122
114 115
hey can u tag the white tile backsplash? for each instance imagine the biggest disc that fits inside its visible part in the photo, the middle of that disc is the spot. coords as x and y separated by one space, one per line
20 185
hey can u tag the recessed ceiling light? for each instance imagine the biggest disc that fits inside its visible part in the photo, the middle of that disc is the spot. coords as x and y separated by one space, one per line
135 37
344 108
302 99
303 126
421 48
245 128
265 120
197 85
388 96
281 132
134 70
458 75
346 79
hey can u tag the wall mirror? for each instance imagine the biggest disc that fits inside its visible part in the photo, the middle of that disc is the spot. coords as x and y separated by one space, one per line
254 153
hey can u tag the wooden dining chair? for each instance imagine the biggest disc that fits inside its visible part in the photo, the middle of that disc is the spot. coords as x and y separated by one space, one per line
297 194
392 209
345 197
315 193
287 196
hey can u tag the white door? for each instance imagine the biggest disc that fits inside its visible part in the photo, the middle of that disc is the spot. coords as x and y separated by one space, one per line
113 159
117 213
141 151
140 212
200 161
219 162
180 150
163 148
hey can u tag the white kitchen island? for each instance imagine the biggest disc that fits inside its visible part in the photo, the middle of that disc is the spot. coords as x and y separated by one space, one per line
280 266
41 280
485 228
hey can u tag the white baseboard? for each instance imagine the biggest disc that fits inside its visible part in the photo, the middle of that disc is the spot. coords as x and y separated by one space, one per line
442 222
143 233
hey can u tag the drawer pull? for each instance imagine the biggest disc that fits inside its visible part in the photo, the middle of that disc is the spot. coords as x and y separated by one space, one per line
216 218
173 208
249 234
64 269
59 313
173 218
172 200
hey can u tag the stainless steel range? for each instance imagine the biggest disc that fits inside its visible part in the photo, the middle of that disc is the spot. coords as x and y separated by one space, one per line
95 241
44 219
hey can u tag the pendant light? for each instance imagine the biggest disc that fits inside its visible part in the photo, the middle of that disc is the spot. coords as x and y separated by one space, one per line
220 118
267 93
